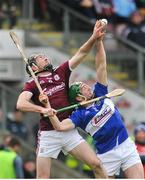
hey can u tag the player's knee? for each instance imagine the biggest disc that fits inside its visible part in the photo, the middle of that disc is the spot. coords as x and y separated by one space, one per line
140 172
43 175
95 164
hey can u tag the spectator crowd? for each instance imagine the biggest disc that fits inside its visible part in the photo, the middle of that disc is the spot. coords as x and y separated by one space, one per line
125 17
13 153
8 13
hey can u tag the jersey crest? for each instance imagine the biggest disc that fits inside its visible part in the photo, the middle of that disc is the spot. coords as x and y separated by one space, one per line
101 117
56 77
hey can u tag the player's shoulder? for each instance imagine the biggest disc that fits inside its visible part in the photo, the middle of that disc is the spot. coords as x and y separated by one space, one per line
56 68
80 111
65 64
100 85
30 81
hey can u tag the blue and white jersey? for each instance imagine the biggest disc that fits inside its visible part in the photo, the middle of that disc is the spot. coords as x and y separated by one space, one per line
102 121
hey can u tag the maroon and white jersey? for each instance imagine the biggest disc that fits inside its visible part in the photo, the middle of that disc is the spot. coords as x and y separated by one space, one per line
56 86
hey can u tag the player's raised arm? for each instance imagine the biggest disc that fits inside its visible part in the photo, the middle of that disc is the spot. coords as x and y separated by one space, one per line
87 46
101 66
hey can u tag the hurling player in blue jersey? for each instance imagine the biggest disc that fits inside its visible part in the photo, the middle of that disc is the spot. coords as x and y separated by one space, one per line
103 122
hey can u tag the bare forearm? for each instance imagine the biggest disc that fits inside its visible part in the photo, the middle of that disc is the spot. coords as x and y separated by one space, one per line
101 67
55 122
28 106
101 54
65 125
82 53
87 46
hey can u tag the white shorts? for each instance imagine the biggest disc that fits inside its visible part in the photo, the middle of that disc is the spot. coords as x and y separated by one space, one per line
123 156
50 143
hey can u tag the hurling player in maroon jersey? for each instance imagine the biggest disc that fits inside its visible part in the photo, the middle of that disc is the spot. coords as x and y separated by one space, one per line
55 83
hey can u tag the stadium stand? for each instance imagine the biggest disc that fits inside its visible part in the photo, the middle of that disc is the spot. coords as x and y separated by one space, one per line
51 23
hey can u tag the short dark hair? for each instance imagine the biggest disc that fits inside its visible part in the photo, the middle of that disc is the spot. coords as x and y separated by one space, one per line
13 142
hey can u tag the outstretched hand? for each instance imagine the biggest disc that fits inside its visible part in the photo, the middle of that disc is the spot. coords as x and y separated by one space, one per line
99 30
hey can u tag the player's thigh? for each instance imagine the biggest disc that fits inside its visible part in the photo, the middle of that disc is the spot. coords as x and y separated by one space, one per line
49 144
133 168
135 172
43 167
131 164
86 154
111 161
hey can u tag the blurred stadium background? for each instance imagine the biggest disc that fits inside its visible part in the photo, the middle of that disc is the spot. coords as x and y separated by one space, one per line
58 28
